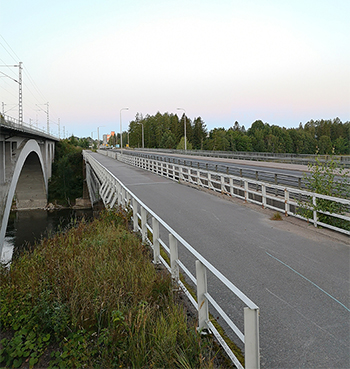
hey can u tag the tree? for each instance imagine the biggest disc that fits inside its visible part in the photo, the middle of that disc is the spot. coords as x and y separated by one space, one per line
181 145
112 140
341 146
199 133
66 183
217 140
168 140
325 145
257 133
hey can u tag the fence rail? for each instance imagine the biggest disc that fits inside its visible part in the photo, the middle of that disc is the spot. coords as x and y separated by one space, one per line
259 175
11 122
113 193
276 197
303 159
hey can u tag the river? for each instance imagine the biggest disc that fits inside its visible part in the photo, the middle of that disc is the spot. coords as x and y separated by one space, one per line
27 226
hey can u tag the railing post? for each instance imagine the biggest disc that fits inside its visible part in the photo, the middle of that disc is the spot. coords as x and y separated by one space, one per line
203 311
276 183
231 186
174 255
314 211
156 248
143 223
222 183
286 202
123 197
246 195
263 195
134 214
119 187
251 338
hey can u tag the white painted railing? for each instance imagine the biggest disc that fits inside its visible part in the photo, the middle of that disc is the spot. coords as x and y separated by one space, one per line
11 122
276 197
114 193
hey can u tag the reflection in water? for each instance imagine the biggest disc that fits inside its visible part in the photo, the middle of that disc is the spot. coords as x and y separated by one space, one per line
27 226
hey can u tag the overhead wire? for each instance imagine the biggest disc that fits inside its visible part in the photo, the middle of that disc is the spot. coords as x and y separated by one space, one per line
36 94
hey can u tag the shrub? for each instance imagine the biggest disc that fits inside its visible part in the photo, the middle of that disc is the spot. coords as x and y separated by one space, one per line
331 179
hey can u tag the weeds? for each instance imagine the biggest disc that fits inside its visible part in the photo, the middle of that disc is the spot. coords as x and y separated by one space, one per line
93 294
276 216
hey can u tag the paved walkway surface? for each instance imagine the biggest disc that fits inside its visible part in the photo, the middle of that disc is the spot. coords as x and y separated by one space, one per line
297 275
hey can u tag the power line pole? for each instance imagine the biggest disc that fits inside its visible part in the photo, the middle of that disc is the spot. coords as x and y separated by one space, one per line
47 116
20 102
59 129
47 119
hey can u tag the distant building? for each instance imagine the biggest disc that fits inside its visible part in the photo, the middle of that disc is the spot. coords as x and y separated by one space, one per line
104 140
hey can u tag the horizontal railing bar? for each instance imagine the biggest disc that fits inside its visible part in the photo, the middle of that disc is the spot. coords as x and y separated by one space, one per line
224 345
189 296
164 245
227 319
187 272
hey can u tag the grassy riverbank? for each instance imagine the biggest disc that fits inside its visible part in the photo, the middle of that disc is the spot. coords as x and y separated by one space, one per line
90 297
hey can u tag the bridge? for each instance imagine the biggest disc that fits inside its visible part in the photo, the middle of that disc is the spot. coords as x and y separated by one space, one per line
280 289
26 156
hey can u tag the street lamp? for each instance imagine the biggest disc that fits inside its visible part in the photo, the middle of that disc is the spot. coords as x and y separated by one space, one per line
98 136
184 126
121 131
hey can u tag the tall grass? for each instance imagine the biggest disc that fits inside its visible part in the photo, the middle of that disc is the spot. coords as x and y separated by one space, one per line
92 298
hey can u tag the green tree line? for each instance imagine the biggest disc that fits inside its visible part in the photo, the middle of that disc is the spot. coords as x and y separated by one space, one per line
166 131
66 183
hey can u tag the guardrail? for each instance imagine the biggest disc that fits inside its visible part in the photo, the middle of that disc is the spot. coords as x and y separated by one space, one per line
11 122
113 193
259 175
302 159
276 197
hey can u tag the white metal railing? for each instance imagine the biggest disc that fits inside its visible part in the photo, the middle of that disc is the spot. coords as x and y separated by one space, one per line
302 159
113 193
11 122
276 197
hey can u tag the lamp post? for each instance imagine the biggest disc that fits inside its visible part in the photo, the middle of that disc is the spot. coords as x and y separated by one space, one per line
143 137
184 126
121 130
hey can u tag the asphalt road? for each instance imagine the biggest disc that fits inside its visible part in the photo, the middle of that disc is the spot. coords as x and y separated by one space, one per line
298 276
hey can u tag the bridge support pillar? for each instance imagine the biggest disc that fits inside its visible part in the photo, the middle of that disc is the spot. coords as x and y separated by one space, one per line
2 162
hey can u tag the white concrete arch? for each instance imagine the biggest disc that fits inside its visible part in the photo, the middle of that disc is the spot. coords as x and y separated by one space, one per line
32 152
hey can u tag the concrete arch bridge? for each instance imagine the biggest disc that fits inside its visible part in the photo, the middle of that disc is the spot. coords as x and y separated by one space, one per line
26 157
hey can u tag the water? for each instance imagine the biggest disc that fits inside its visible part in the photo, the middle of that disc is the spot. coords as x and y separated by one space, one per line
27 226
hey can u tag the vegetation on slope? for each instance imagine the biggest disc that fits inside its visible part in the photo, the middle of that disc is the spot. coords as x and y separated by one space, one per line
90 297
331 179
66 183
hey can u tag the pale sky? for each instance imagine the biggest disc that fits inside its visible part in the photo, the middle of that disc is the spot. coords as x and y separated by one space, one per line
282 61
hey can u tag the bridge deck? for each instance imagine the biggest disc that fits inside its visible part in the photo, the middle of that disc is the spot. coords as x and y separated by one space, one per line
298 276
